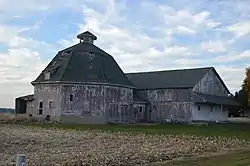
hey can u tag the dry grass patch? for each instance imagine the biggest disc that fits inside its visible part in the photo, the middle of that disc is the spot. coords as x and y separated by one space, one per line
55 146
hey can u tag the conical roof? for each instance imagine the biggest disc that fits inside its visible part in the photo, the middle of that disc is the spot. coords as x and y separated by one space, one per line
83 63
87 33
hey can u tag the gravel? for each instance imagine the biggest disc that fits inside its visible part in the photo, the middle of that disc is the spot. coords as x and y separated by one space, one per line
68 147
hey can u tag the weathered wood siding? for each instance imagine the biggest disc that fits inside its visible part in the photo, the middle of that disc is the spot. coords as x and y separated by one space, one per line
138 113
30 107
177 95
210 84
168 104
170 111
47 93
206 113
92 100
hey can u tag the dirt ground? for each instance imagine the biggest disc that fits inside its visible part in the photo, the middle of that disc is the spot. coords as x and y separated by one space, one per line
57 146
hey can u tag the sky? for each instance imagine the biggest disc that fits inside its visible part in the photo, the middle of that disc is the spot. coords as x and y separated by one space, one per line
141 35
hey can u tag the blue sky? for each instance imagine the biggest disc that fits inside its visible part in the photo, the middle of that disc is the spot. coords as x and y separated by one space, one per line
141 35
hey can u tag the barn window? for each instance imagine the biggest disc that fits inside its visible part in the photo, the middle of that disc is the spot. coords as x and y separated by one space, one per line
71 97
211 108
224 109
199 107
40 108
140 108
40 104
50 104
47 76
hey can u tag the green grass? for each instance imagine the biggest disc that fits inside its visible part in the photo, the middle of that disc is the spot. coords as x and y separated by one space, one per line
235 158
226 130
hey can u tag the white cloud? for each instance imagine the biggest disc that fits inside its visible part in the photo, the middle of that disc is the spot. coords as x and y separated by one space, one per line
24 6
185 62
185 30
240 29
7 33
214 46
9 91
245 55
27 42
187 21
18 68
20 65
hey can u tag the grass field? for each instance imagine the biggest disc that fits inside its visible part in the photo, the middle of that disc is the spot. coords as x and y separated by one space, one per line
235 158
128 144
239 130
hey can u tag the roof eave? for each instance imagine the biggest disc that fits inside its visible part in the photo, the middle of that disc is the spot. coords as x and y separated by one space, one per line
227 104
144 89
231 103
86 83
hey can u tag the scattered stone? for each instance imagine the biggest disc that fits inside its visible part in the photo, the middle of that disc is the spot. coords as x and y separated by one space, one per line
70 147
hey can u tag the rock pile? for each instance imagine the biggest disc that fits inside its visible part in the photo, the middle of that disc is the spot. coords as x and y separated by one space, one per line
65 147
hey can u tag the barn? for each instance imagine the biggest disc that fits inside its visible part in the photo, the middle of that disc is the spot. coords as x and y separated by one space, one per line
186 95
84 84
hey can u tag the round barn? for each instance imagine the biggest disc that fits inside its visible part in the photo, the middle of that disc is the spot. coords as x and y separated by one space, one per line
83 84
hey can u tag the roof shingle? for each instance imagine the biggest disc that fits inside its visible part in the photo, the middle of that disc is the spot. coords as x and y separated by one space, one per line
212 99
84 62
183 78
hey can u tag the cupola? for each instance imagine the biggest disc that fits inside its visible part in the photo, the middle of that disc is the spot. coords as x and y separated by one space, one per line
87 37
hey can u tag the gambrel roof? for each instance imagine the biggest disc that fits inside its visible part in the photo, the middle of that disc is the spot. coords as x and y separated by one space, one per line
84 63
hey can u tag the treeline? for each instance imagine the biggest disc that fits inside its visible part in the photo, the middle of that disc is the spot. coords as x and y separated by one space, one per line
7 110
243 95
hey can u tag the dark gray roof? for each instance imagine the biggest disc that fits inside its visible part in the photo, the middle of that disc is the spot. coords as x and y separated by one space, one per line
84 62
27 97
211 99
87 33
183 78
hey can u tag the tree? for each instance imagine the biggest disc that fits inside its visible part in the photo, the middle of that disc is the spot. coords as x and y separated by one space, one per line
246 84
242 98
246 81
243 95
236 95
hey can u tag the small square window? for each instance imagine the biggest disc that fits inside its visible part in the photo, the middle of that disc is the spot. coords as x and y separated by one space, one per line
40 104
140 108
50 104
47 76
199 107
71 97
40 111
